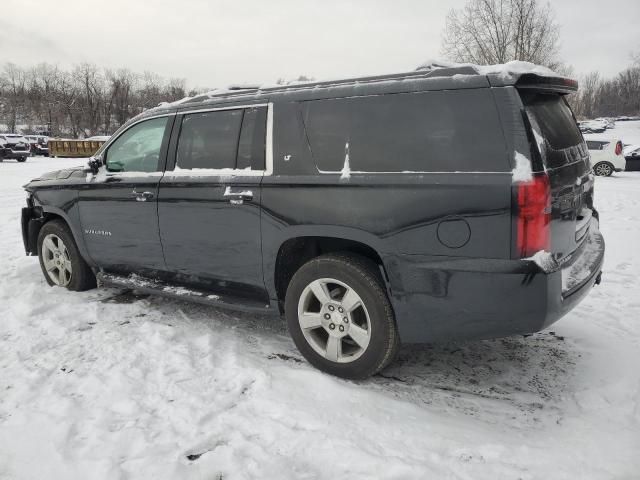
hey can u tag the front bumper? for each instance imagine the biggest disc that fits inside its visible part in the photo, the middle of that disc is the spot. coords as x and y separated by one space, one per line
10 153
31 222
454 299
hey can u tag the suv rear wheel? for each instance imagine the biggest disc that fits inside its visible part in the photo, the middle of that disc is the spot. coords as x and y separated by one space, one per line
22 159
60 260
340 317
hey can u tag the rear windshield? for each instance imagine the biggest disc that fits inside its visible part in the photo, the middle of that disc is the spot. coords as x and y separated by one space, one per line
555 119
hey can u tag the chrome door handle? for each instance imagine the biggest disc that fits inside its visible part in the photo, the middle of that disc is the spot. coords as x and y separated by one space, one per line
237 196
142 196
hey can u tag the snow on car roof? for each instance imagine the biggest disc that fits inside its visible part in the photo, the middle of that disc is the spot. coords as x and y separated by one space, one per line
508 69
631 148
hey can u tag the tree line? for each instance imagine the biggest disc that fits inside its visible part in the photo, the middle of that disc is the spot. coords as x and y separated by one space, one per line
87 100
608 97
83 101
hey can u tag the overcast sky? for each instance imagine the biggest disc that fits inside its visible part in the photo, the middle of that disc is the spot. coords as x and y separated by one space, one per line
215 43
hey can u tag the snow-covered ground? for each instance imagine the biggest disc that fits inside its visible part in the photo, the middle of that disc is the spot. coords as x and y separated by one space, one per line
109 385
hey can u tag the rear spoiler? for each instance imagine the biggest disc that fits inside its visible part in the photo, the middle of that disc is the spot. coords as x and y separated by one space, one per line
533 81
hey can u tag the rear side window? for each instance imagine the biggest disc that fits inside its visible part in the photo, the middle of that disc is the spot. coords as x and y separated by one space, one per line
209 140
555 119
439 131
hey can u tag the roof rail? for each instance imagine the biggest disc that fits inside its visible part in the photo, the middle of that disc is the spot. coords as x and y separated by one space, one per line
255 86
239 90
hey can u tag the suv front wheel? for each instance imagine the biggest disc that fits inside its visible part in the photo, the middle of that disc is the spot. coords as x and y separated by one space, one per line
60 260
340 317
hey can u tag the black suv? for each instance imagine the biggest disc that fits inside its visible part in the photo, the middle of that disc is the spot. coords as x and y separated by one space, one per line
14 146
428 206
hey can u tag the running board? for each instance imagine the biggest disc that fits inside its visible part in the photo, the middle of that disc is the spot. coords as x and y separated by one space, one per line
158 287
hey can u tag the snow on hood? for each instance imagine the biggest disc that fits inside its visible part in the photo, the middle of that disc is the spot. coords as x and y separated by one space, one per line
505 70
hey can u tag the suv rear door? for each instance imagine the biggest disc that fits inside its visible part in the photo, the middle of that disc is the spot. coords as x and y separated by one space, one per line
209 200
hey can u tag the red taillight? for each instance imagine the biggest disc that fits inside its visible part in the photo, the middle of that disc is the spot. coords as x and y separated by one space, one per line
619 148
534 216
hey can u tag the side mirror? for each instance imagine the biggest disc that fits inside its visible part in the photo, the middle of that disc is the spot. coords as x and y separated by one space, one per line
94 164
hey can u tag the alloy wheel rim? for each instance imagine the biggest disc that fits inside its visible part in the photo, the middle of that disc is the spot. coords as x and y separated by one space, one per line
603 170
57 263
334 320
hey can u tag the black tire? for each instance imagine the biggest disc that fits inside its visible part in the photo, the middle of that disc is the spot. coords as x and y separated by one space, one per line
363 276
22 159
82 277
603 169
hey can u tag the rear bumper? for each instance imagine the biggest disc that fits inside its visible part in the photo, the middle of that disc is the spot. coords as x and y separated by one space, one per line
454 299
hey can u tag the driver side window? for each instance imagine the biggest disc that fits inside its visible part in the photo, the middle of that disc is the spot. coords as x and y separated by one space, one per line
137 149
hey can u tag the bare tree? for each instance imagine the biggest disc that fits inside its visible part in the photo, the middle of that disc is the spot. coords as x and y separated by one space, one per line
175 89
122 84
13 83
90 85
497 31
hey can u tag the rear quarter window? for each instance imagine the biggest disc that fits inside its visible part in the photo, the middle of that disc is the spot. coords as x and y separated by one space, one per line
591 145
555 119
438 131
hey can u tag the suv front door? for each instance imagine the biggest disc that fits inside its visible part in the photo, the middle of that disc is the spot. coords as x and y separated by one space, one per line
118 208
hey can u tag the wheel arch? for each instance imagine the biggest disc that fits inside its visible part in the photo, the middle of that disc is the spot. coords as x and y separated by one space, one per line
47 214
296 251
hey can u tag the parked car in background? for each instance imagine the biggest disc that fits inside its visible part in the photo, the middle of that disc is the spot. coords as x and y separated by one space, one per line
15 146
327 203
592 126
632 157
606 156
608 122
39 145
3 148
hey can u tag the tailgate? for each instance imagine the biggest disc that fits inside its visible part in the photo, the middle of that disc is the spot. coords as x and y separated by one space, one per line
565 158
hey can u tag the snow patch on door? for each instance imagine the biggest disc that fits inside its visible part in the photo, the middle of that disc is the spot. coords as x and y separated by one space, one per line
345 173
522 171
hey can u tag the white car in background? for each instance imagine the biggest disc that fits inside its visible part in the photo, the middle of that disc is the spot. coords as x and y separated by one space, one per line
606 156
